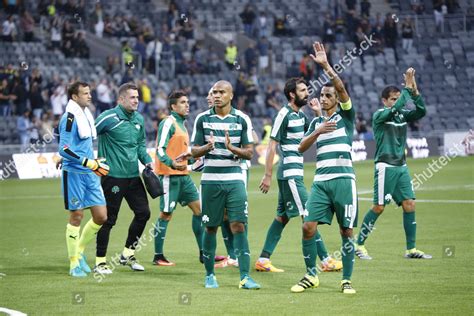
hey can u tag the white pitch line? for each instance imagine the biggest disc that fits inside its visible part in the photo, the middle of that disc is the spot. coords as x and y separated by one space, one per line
29 197
433 201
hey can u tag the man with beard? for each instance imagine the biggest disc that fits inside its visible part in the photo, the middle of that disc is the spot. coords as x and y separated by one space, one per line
288 129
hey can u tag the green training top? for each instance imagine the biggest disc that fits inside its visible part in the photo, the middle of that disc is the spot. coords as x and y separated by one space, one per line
390 128
122 141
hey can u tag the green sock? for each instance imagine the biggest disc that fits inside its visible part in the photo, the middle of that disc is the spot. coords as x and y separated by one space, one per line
72 241
409 224
322 251
367 226
273 236
198 229
160 234
241 246
228 239
310 250
89 232
209 251
348 252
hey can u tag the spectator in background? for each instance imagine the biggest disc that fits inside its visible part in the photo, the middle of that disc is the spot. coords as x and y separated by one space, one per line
352 23
46 127
329 35
172 15
231 55
58 100
365 8
378 36
279 27
306 67
251 56
112 65
36 100
127 55
361 125
262 24
440 9
68 39
407 34
27 24
80 47
19 95
187 27
145 96
140 47
391 34
359 37
5 98
271 103
351 4
56 34
35 129
414 126
340 29
248 17
104 96
263 47
8 29
417 6
24 127
36 77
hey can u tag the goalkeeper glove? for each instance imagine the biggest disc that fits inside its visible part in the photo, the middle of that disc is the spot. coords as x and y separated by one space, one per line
97 165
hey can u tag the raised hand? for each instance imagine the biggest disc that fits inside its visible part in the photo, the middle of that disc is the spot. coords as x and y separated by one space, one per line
315 106
210 144
319 54
228 144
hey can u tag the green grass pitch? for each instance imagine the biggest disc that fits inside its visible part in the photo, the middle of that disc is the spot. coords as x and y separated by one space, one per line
34 267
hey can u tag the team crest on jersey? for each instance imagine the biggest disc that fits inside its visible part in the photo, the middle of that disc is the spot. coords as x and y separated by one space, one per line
137 126
115 189
388 198
205 219
232 126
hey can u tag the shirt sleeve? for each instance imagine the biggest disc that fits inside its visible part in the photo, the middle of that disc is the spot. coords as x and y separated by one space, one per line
165 131
347 110
279 126
105 121
67 126
418 112
142 153
247 136
311 127
197 137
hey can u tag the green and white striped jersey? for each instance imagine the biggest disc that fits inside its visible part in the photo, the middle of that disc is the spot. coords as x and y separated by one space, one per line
288 130
333 155
221 165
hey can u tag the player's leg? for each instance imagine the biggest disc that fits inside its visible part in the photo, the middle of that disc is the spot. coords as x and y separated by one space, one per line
385 180
318 211
137 200
286 207
344 194
114 190
405 196
229 245
189 196
93 198
237 211
168 203
213 204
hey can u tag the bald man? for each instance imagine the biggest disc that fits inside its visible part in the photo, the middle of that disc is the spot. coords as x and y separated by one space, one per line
223 135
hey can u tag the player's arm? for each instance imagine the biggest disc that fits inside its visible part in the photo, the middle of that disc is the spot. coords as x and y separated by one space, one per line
165 131
420 109
320 58
104 122
387 114
67 126
269 158
143 155
200 147
313 133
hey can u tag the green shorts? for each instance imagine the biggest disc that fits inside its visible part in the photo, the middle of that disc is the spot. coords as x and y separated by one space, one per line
292 197
215 198
392 182
333 196
179 189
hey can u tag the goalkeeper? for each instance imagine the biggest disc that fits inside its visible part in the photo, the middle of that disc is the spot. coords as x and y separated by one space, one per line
121 132
80 186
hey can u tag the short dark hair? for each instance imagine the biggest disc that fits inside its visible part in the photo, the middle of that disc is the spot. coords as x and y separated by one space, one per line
125 87
174 96
389 90
290 86
74 88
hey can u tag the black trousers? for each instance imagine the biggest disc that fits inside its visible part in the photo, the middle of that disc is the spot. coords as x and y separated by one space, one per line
115 189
